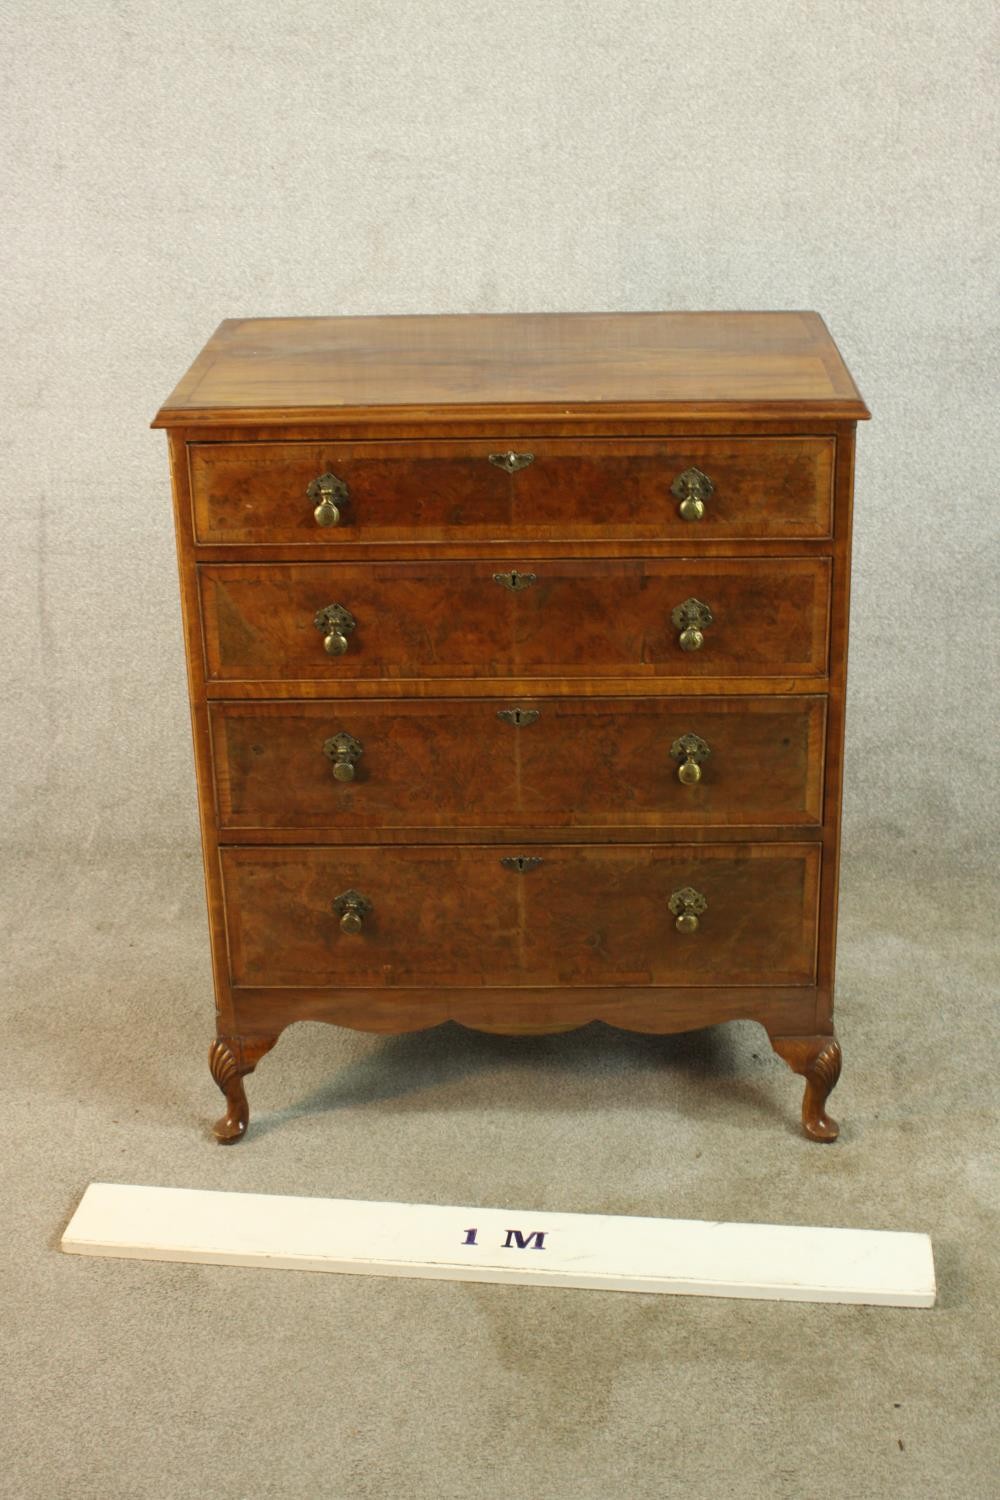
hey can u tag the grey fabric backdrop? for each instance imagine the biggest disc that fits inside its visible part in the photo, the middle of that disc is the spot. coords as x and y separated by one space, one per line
173 164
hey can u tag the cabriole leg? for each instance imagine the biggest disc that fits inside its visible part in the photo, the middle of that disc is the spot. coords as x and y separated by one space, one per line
818 1059
230 1059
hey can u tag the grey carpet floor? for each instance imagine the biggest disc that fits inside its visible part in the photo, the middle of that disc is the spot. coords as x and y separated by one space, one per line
131 1379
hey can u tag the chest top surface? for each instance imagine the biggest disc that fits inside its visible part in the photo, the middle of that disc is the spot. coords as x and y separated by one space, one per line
680 364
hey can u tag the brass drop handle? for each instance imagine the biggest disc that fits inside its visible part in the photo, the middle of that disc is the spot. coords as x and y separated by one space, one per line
343 752
337 625
692 619
690 750
331 498
692 489
352 908
687 906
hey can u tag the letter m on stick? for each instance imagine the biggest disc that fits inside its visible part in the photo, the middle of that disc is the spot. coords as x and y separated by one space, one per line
516 1240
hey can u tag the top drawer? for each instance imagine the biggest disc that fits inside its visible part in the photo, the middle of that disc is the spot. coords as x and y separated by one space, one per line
530 489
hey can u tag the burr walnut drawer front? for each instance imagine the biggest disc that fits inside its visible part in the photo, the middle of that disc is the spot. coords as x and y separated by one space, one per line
505 489
614 915
589 763
338 622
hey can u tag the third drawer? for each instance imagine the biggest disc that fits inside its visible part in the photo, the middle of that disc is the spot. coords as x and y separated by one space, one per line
369 765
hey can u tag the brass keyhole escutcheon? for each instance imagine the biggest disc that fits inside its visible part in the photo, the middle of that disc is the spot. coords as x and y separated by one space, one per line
692 619
352 908
514 581
690 750
519 717
687 906
692 489
343 752
336 625
511 462
331 497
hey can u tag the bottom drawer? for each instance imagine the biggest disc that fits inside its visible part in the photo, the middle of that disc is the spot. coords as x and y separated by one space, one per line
609 915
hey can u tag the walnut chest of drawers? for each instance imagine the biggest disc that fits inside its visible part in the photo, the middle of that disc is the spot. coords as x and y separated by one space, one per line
516 649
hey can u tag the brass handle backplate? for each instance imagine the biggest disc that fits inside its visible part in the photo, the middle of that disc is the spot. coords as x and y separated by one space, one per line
511 462
343 752
687 906
352 908
690 750
692 489
692 619
336 625
329 495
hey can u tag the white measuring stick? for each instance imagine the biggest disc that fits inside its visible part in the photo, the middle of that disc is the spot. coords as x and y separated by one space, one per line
526 1246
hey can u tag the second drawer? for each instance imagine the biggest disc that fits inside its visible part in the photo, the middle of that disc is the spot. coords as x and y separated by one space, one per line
365 765
339 623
